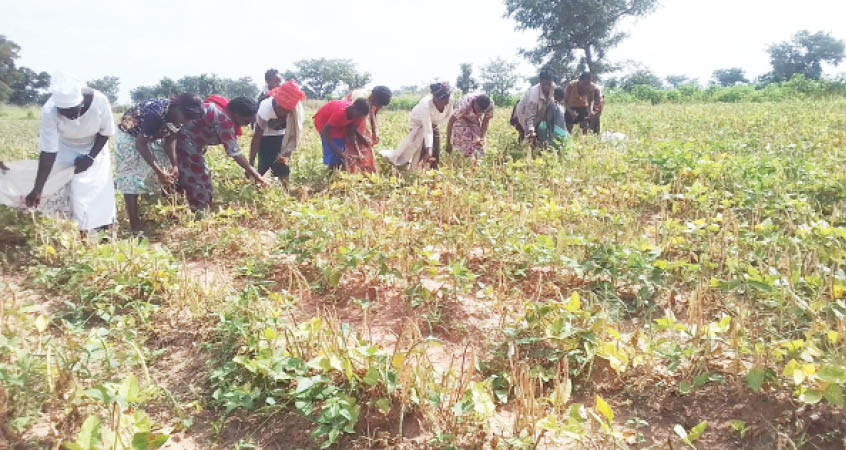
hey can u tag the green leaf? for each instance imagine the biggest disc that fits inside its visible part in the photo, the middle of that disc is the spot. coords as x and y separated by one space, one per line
384 405
834 394
832 374
685 387
738 425
810 396
148 441
129 389
89 437
755 378
696 432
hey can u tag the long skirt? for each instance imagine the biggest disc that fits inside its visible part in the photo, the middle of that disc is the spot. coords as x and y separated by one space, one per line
194 175
132 174
358 153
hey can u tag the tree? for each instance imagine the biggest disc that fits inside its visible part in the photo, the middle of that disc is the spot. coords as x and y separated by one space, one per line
729 77
499 77
108 85
242 87
465 82
677 80
804 55
29 87
322 77
202 85
8 73
570 26
640 77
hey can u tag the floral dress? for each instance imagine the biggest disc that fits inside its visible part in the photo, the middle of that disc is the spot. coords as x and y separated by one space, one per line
467 129
132 174
214 128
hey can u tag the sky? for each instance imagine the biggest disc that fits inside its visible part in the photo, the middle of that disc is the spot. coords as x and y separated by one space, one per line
400 42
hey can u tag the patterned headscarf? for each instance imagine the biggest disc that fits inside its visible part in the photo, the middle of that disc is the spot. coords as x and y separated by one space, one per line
288 95
440 91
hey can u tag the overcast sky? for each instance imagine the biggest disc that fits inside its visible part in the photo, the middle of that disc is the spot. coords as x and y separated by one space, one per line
400 42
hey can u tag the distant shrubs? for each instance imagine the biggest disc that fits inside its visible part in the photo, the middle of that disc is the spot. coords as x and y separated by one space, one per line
796 88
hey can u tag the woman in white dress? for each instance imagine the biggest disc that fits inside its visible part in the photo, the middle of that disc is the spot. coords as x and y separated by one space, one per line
76 124
422 147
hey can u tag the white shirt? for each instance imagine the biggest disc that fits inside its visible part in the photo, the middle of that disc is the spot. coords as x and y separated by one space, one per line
426 114
57 132
265 114
532 106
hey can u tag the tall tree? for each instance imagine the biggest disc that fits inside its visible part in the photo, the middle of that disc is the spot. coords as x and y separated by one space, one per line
8 72
465 82
575 34
677 80
108 85
804 55
729 77
29 87
499 77
322 77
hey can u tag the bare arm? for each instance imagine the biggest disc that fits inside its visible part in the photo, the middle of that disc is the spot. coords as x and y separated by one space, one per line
170 149
373 129
450 123
485 123
45 166
142 145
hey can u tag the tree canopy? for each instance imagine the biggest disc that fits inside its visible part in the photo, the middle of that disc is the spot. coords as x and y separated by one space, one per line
465 82
804 54
575 34
203 85
108 85
729 77
321 77
499 77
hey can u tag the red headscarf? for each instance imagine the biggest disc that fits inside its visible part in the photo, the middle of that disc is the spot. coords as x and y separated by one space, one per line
288 95
223 102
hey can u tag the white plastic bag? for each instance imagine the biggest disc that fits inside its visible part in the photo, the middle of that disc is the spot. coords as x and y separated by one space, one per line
17 182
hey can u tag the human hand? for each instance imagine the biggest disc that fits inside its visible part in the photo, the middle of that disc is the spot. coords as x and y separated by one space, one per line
375 140
82 163
33 199
448 147
166 178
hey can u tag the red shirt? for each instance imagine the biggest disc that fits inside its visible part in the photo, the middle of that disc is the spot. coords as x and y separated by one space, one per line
334 114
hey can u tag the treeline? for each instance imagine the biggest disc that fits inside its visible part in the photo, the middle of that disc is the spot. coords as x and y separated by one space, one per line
796 88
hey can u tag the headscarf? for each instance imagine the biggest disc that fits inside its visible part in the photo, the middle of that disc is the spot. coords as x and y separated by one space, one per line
223 102
440 91
288 95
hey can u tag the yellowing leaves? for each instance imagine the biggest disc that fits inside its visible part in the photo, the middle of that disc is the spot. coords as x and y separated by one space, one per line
603 408
574 303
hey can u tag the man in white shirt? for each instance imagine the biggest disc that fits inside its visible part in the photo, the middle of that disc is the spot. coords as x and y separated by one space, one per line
267 140
530 110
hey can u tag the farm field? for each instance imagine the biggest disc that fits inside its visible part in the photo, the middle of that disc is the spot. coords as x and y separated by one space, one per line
685 288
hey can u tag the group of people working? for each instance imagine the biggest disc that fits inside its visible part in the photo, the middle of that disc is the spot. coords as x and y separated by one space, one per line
160 144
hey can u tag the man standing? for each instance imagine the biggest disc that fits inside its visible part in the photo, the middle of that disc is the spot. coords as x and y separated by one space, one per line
584 101
530 110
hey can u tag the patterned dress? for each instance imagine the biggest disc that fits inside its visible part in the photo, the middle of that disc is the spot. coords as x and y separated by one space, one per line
132 174
214 128
467 129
